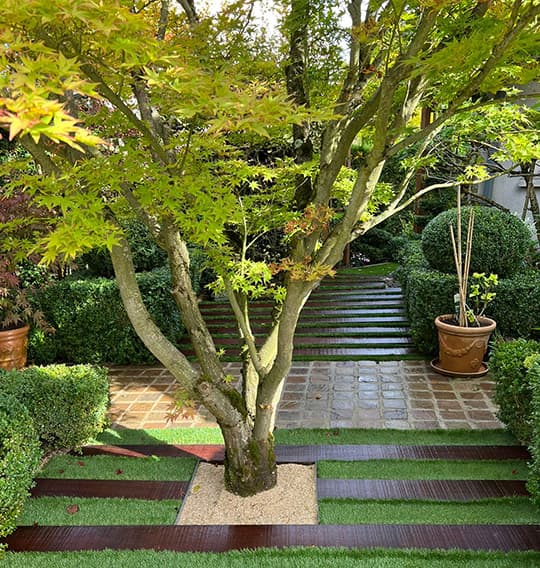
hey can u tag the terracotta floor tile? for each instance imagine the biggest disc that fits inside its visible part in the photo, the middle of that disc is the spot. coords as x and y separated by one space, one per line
480 415
423 415
444 395
452 415
141 406
421 404
423 394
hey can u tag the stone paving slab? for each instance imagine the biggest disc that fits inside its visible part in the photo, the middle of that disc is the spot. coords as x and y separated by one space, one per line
327 394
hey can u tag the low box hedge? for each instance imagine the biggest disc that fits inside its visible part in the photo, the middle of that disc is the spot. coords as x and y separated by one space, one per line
533 483
515 368
92 325
512 389
68 405
20 455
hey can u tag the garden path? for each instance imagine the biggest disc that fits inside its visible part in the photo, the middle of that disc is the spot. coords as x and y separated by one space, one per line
326 394
354 367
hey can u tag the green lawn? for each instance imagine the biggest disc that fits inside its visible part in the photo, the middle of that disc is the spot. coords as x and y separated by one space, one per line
382 269
288 558
61 510
302 436
112 467
423 469
85 511
511 511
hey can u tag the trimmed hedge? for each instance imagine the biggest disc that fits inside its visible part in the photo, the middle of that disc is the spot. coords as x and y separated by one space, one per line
533 483
513 391
92 325
429 293
68 405
500 242
377 245
20 454
146 254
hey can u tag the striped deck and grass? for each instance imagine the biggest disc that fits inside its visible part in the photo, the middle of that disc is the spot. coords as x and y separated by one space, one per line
349 317
433 498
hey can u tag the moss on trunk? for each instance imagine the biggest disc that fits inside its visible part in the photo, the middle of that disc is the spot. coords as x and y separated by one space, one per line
250 465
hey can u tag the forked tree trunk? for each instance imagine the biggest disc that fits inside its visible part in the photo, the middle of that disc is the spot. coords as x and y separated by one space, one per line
250 464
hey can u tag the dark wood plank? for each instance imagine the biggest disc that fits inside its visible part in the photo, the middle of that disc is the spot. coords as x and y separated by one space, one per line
217 538
316 341
345 353
312 454
434 490
128 489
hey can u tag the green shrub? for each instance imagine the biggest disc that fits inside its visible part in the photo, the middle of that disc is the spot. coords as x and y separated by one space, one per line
512 389
145 252
20 455
533 483
409 257
500 243
430 293
377 245
67 404
516 308
92 325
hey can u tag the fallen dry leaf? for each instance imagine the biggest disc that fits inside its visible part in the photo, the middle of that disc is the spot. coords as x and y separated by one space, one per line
72 509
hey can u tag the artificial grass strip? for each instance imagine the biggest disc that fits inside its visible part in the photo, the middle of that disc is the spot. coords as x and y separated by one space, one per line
382 269
303 436
423 469
511 511
75 511
152 468
288 558
161 436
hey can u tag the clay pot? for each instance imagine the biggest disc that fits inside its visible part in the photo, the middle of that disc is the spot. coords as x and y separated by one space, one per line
13 347
462 349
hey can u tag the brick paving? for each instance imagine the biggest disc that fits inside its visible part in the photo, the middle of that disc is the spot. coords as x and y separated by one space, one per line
326 394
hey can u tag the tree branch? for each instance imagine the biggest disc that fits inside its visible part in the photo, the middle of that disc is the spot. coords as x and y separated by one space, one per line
141 320
243 324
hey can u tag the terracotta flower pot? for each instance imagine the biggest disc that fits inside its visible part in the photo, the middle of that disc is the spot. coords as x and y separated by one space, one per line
13 347
462 349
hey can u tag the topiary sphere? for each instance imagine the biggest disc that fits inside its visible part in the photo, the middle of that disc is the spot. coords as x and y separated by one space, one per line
499 245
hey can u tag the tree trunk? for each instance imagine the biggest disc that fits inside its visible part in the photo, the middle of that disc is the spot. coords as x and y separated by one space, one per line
529 170
250 464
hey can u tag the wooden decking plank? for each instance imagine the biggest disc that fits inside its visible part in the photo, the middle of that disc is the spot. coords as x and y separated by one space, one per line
433 489
220 538
368 353
323 316
314 340
128 489
312 454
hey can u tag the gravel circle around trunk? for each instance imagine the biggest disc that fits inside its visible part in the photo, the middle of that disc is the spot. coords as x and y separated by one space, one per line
293 501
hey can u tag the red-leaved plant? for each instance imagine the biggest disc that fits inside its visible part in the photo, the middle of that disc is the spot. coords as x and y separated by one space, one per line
19 220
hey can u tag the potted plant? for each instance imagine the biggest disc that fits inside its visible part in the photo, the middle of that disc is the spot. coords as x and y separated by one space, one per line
20 222
16 315
464 336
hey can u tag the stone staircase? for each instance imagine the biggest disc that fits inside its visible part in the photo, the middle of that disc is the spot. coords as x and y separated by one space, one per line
349 317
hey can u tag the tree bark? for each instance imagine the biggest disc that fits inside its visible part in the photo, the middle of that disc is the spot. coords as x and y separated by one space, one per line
250 463
528 170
